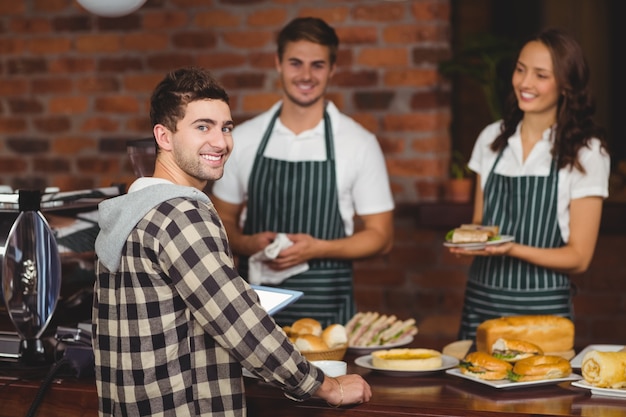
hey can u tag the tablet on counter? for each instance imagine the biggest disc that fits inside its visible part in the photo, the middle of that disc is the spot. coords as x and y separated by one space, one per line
275 299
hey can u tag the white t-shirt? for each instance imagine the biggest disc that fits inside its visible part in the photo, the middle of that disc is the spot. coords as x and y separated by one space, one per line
572 184
362 178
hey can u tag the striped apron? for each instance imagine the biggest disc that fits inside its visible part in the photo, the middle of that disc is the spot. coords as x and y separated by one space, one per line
526 208
302 197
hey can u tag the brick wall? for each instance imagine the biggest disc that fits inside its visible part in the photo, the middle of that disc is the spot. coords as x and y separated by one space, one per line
75 87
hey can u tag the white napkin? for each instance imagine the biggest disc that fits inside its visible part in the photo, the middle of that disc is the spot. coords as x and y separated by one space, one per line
259 273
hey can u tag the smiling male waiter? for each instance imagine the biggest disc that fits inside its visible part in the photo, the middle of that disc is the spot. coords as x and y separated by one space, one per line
305 169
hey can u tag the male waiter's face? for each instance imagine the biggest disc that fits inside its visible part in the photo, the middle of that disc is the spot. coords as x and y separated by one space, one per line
305 72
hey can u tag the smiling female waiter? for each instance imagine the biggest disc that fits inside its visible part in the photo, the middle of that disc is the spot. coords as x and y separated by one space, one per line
542 174
305 169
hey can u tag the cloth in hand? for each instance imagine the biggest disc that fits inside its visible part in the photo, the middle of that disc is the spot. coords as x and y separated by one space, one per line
259 273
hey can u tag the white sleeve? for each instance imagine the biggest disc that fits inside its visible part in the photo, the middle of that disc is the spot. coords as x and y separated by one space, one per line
483 157
371 190
595 180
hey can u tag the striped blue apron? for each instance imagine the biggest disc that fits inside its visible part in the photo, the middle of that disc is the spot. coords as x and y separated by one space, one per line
526 208
302 197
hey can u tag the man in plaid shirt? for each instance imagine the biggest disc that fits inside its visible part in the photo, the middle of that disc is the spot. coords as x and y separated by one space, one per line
173 321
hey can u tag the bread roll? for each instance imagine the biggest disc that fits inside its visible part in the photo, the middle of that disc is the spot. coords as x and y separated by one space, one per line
540 367
407 359
306 326
604 369
550 333
335 335
310 343
482 365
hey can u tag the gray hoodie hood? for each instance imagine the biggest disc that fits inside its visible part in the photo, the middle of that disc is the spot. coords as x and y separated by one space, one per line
118 216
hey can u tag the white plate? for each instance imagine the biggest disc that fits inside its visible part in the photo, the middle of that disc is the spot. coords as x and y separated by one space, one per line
607 392
477 246
577 361
364 350
506 384
366 362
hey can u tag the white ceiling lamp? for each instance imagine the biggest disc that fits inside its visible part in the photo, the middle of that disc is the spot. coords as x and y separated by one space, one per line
111 8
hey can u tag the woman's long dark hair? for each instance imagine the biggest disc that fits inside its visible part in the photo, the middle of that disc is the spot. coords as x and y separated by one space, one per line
574 124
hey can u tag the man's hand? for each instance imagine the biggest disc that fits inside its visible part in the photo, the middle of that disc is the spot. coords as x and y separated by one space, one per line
344 390
303 248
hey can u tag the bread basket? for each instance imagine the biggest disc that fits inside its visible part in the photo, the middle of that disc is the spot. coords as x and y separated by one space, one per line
335 354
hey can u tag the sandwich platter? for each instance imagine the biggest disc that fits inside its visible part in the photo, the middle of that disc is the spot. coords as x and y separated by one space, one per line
364 350
366 362
480 245
507 384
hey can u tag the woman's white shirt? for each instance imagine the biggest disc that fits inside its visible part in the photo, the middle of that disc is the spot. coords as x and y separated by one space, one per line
572 184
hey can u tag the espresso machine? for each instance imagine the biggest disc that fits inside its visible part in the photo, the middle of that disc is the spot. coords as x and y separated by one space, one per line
30 274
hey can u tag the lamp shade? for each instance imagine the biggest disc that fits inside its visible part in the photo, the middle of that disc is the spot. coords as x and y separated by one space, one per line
111 8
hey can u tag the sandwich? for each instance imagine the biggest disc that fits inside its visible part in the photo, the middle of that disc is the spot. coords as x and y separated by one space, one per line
540 367
513 350
473 233
373 329
482 365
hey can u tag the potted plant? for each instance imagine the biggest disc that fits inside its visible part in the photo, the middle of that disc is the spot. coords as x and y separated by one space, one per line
459 187
481 58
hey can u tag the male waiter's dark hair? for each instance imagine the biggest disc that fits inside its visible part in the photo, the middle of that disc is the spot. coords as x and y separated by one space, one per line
310 29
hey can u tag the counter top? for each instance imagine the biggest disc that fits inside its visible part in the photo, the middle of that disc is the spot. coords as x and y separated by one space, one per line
436 394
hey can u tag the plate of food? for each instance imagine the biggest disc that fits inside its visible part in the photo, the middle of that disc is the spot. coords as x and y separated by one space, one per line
606 392
475 237
405 362
536 370
508 384
371 331
603 372
577 361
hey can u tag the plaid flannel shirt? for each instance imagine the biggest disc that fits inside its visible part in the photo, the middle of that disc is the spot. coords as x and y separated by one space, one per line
175 323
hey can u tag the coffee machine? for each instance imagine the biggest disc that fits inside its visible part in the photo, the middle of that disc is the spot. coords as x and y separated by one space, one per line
30 274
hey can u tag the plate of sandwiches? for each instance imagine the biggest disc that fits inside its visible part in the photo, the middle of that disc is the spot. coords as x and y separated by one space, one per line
514 364
475 237
371 331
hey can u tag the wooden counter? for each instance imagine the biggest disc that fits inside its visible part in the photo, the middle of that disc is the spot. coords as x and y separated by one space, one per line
433 395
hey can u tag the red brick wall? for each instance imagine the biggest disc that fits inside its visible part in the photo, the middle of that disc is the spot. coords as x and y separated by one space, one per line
74 87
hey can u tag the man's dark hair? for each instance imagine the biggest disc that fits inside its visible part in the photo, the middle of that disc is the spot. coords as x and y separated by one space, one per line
179 88
310 29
